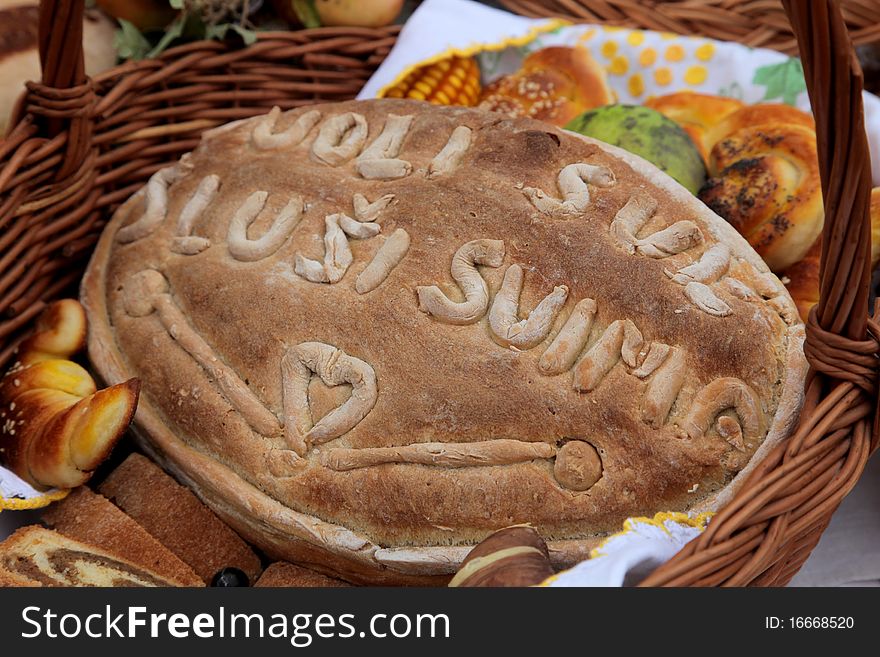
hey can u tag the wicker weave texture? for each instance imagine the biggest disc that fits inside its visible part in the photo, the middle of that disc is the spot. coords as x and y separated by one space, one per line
80 147
751 22
77 152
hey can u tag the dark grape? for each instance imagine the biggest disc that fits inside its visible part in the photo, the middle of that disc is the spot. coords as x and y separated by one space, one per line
229 576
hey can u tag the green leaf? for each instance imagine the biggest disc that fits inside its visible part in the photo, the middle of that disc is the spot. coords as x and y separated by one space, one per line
306 13
129 42
784 80
248 36
219 32
216 32
172 32
734 90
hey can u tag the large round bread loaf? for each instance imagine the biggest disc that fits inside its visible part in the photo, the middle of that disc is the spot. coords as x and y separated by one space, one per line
371 333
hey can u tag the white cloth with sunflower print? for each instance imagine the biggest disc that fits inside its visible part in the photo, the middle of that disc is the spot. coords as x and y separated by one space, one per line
18 495
640 63
629 556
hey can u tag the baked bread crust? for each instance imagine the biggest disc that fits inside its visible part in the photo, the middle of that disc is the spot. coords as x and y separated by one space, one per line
195 535
285 575
91 518
378 426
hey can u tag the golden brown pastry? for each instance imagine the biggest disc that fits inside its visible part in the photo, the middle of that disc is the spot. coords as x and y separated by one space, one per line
759 115
709 119
697 114
55 425
60 332
553 85
371 333
764 180
802 278
282 575
763 170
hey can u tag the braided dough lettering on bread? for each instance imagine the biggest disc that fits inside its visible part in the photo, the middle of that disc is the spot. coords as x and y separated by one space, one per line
243 248
264 136
427 358
450 157
464 271
156 204
386 259
340 138
366 211
511 331
337 252
379 160
571 339
573 184
185 242
333 367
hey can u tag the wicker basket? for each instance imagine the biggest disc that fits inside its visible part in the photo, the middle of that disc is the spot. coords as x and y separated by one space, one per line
753 23
82 146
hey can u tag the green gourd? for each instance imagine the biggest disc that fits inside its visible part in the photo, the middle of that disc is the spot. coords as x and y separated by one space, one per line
648 134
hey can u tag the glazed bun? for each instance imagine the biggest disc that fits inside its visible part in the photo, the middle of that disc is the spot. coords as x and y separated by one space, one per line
760 115
554 85
764 179
55 425
802 278
763 170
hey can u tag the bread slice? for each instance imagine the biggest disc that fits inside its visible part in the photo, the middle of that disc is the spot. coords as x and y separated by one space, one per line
176 518
36 556
288 575
11 580
87 516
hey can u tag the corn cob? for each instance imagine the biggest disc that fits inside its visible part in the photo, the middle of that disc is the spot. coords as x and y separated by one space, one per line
453 81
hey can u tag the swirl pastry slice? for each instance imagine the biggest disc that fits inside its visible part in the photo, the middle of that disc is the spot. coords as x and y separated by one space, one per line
35 556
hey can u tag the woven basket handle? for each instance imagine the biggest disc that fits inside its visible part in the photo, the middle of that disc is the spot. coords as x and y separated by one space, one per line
838 345
61 48
64 98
